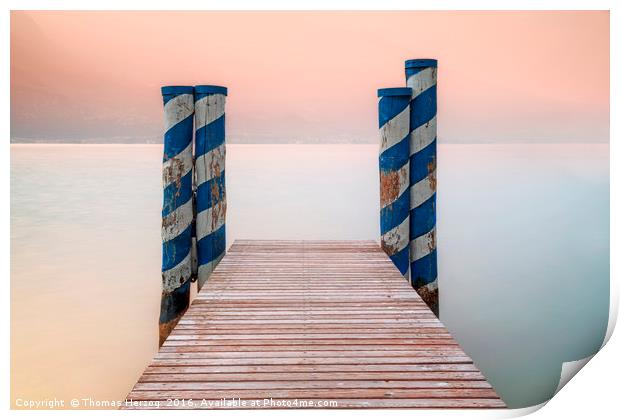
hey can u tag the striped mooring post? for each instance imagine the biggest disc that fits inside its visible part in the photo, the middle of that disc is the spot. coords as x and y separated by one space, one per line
394 174
177 211
210 178
421 75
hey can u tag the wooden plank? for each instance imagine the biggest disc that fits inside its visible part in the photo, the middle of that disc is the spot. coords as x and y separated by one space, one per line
308 376
461 367
420 393
309 361
295 402
197 386
201 346
311 321
344 353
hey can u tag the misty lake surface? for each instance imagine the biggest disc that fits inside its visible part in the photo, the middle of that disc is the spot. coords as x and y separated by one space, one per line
523 245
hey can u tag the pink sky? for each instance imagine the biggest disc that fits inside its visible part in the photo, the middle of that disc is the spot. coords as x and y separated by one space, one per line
310 76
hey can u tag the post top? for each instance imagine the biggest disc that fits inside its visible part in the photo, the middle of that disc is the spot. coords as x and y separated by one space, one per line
211 89
397 91
420 62
176 90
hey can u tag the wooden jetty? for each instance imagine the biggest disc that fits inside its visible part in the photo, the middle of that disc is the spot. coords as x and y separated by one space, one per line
286 324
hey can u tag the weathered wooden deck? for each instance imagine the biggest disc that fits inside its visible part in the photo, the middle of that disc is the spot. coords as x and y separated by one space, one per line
311 321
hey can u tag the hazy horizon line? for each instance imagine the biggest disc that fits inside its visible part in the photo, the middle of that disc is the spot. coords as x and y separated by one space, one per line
323 142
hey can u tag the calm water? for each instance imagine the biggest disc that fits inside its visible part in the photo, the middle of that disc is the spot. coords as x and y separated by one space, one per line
523 234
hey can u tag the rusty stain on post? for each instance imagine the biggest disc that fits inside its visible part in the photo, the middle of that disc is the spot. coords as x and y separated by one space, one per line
394 175
421 76
177 209
210 178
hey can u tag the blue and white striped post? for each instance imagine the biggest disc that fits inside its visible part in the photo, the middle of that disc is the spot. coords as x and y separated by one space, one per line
210 178
421 77
177 211
394 174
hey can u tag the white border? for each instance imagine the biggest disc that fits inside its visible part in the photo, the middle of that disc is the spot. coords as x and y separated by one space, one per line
311 5
592 395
